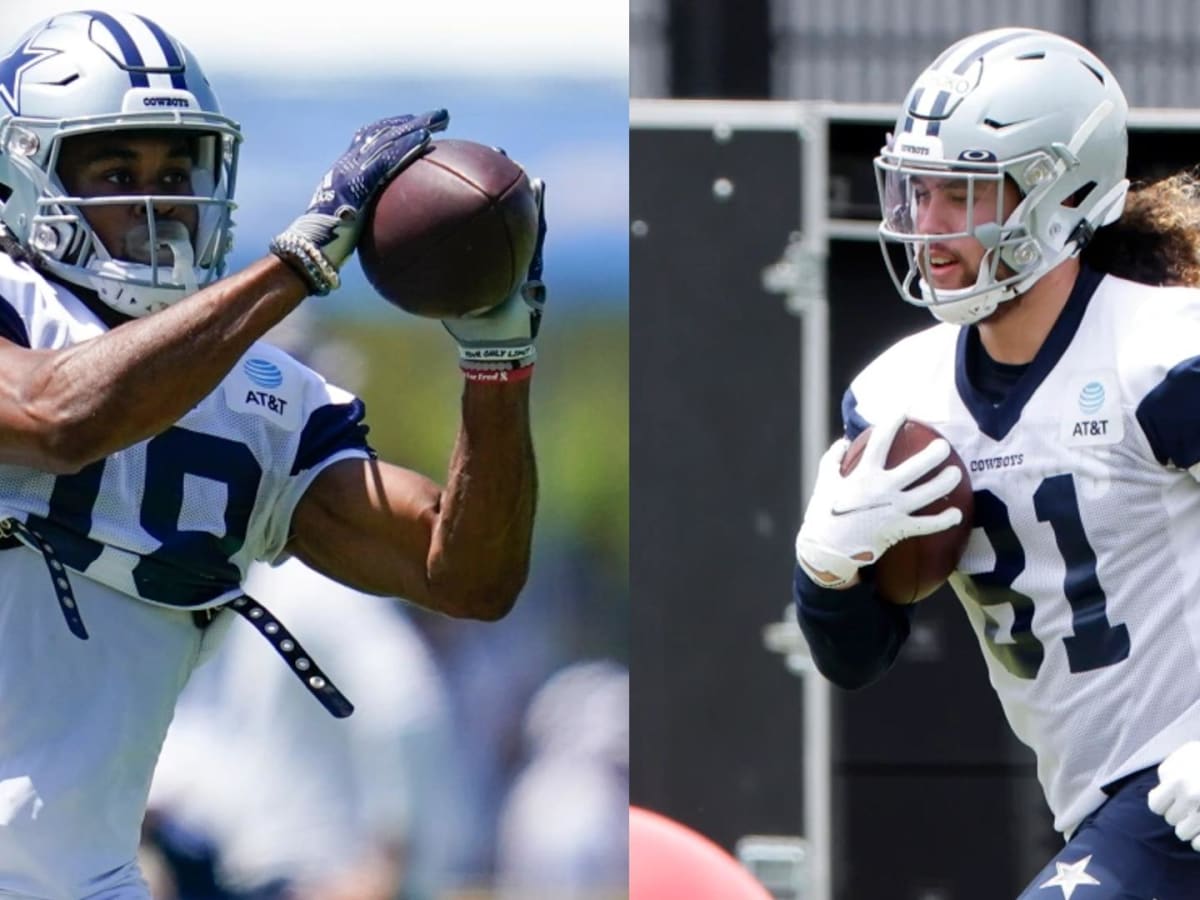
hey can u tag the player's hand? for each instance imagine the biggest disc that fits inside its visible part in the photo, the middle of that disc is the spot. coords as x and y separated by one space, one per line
494 343
851 520
1177 797
334 219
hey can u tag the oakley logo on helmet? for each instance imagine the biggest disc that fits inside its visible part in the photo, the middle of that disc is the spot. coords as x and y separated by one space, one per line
977 156
938 81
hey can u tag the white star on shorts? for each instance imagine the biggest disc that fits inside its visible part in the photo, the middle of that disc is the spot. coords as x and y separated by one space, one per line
1071 876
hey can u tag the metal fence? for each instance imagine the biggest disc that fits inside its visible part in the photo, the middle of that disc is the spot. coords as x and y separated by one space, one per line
871 50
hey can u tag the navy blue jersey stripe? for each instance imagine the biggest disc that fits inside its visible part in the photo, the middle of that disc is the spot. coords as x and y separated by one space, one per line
997 421
133 57
12 326
173 61
1170 415
330 429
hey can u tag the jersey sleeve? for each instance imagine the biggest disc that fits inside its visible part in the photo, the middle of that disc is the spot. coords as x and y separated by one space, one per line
333 429
12 326
1160 368
34 313
853 634
1169 416
897 380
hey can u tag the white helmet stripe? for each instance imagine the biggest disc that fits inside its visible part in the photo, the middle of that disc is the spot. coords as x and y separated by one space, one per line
157 50
170 54
131 54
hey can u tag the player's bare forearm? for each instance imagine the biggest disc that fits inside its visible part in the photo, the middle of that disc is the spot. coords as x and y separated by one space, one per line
479 555
462 550
62 409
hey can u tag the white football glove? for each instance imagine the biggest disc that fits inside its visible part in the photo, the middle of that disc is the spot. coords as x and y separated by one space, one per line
850 521
1177 797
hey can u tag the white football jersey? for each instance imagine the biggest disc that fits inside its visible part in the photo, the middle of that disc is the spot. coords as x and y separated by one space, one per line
148 534
1081 573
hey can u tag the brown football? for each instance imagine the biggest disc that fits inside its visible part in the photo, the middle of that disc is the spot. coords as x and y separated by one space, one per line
453 233
914 568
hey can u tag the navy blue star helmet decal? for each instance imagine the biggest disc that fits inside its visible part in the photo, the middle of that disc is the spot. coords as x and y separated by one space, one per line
13 66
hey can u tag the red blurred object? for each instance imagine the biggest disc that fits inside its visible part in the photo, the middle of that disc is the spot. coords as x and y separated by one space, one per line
669 861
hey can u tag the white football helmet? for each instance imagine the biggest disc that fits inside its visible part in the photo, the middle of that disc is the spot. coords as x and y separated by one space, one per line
85 72
1017 104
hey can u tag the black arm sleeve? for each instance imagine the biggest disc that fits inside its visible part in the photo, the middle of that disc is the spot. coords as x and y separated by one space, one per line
854 635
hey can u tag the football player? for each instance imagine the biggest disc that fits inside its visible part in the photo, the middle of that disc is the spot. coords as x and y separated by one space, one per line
151 447
1071 395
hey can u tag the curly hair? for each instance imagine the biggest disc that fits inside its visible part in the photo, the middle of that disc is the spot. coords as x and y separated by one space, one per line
1157 239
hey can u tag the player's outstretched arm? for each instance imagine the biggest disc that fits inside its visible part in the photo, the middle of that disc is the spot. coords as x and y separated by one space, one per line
63 409
463 550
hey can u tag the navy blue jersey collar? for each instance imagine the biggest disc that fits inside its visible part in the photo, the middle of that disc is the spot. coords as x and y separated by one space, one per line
997 421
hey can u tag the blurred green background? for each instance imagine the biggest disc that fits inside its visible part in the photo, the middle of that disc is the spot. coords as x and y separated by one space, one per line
580 410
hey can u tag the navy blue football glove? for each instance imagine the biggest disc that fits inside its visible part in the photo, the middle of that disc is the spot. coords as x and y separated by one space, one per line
335 216
500 339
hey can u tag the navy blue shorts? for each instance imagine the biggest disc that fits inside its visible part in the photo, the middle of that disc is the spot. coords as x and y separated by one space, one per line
1122 851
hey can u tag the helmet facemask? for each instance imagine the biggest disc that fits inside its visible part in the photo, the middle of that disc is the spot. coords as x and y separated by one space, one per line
132 279
1012 259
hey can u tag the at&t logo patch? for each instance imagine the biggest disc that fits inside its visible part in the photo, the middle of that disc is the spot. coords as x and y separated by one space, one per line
1093 416
258 386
